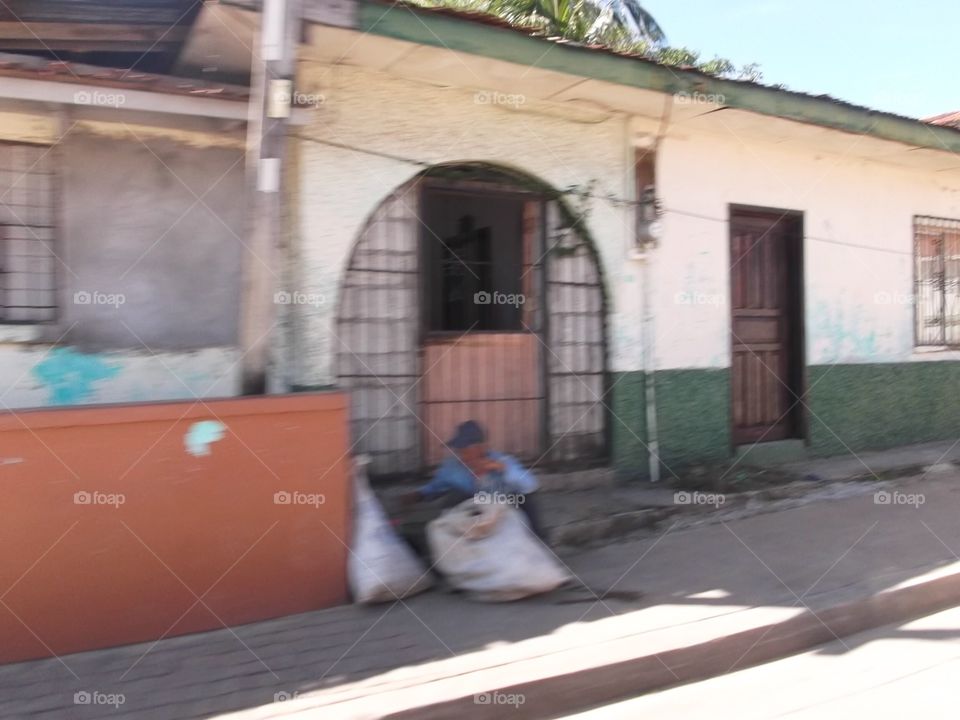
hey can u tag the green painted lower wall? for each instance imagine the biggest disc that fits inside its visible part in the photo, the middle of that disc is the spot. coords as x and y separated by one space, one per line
877 406
628 432
851 408
693 415
693 418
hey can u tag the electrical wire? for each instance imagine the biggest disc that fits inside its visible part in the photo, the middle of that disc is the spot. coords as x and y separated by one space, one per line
610 198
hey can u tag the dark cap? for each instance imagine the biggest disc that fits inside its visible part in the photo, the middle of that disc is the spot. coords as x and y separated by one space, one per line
468 433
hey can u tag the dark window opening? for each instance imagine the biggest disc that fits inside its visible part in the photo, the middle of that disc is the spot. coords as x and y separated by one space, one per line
473 262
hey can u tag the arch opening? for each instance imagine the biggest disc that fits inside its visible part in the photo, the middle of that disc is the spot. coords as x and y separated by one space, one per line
472 292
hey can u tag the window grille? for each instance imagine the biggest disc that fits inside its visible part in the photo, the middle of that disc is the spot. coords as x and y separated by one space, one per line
937 280
27 219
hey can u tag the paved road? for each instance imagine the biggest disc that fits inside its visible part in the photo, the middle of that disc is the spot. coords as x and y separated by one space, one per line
906 671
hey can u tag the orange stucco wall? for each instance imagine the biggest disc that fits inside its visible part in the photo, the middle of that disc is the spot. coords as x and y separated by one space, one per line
168 518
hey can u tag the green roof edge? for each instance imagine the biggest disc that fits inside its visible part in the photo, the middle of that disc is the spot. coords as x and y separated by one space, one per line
426 27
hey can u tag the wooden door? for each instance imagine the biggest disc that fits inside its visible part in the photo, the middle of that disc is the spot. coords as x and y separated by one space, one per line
489 377
482 351
765 325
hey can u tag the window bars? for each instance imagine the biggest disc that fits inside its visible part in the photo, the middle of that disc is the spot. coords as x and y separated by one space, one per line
27 221
937 281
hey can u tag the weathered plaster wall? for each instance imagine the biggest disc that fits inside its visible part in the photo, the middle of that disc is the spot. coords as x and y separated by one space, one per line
159 223
858 244
39 376
156 224
858 247
857 213
340 186
868 386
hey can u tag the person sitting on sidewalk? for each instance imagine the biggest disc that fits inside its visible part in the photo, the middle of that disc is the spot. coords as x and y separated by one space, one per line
475 471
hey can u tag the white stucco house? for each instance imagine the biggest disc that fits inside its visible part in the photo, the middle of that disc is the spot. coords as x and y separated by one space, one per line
604 259
801 296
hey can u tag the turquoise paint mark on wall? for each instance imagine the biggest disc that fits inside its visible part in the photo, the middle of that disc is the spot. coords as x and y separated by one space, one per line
201 435
70 377
839 332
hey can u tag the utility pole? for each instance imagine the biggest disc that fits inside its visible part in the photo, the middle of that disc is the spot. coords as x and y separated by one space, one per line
273 68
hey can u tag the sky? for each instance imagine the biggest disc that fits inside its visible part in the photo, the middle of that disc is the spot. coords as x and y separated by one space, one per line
901 57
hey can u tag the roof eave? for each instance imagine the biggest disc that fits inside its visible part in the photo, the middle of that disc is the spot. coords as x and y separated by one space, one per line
446 30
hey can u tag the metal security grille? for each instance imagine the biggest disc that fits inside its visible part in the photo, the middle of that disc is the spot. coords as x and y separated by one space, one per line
937 280
576 337
535 376
377 336
27 261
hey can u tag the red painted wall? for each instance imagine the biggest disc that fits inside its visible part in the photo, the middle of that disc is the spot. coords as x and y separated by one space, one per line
162 524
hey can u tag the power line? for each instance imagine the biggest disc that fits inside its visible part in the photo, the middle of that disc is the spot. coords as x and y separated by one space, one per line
610 198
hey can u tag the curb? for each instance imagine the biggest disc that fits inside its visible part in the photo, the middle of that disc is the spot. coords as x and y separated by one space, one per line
564 693
582 534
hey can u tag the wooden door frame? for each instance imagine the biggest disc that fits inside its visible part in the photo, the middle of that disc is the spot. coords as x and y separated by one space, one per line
469 188
798 343
492 189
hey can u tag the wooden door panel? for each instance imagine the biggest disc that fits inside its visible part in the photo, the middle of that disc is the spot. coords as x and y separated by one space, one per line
493 378
763 328
759 413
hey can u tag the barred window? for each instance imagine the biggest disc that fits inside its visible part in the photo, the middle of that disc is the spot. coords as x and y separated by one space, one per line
937 280
27 219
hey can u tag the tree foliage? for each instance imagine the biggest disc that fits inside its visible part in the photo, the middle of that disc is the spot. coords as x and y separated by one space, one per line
620 25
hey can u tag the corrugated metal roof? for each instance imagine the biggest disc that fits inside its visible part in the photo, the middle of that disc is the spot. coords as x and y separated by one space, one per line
143 34
950 119
35 68
139 12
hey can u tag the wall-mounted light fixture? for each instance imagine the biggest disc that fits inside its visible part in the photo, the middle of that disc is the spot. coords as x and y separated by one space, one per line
649 229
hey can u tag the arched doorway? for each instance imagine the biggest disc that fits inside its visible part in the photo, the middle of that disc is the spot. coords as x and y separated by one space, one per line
471 293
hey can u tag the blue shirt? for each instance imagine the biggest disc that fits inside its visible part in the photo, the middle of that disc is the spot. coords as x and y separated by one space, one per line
454 475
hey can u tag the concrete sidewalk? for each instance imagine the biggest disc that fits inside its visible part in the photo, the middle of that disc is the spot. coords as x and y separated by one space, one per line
717 597
908 670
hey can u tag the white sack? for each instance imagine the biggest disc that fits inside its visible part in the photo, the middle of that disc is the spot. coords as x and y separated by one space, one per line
487 549
381 566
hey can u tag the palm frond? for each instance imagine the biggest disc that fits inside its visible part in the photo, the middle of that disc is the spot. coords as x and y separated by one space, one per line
631 11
